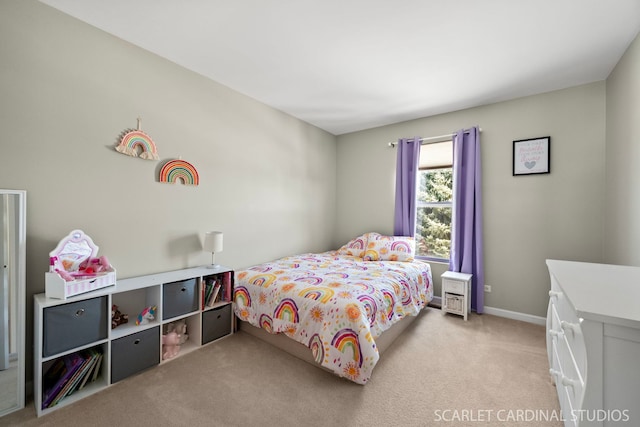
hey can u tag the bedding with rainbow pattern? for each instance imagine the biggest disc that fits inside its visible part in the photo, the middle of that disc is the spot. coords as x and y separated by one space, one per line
337 302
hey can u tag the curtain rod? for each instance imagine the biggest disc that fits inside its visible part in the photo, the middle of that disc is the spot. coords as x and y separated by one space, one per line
430 139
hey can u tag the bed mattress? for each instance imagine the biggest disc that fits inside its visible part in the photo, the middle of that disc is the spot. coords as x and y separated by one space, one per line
334 304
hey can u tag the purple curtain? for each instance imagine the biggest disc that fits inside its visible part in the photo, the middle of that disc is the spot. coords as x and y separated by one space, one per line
466 230
406 177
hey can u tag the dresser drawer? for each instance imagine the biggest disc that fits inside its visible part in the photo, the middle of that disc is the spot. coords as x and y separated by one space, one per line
556 373
216 323
74 324
565 321
453 286
134 353
564 308
571 380
179 298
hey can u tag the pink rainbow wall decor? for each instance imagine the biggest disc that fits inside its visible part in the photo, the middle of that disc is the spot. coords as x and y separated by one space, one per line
179 170
136 139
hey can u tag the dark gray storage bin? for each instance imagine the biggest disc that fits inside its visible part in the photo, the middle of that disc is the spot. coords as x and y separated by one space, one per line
216 323
134 353
179 298
74 324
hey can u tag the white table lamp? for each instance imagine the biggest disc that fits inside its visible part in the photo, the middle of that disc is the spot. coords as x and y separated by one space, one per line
213 244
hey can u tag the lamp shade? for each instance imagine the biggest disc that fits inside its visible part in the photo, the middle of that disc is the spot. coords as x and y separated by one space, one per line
213 241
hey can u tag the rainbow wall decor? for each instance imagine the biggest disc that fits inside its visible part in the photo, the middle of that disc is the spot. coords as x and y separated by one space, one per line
179 170
134 139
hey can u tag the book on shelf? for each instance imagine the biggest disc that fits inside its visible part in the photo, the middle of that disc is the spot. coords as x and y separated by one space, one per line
98 368
88 360
96 358
227 286
58 375
214 295
70 385
211 283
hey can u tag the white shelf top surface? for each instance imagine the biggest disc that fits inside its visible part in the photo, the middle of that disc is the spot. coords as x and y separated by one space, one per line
124 285
601 292
456 276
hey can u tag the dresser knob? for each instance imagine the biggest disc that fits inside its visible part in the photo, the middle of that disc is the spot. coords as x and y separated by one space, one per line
555 294
566 381
555 333
573 327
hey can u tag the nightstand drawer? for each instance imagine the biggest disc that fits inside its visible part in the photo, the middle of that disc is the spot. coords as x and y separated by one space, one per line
453 286
454 303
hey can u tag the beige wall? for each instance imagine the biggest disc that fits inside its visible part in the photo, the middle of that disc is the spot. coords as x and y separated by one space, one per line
622 202
527 219
68 91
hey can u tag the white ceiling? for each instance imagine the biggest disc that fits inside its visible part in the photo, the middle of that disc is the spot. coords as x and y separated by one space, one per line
348 65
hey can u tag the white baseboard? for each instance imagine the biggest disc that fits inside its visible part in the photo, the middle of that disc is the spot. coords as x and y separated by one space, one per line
530 318
516 315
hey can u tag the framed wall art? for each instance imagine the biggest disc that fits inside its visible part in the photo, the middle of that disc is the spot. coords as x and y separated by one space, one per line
532 156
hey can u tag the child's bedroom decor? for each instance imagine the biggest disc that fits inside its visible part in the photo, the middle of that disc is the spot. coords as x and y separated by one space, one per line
75 268
175 336
117 317
531 156
179 170
134 139
148 314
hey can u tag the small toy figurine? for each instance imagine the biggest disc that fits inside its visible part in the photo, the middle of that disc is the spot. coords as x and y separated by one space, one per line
147 314
117 318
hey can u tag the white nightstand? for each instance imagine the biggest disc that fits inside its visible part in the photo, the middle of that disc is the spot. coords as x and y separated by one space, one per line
456 293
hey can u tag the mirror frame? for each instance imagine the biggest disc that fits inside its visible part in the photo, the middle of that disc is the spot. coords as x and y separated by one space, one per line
21 236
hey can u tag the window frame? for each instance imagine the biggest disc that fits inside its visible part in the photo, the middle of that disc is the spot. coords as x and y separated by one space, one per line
447 204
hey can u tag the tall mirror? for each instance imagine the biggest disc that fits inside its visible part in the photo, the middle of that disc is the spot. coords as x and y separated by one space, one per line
13 237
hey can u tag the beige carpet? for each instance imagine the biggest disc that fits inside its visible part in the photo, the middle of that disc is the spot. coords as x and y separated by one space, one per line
442 371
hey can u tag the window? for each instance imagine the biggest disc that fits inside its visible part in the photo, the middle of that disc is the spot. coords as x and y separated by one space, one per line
434 206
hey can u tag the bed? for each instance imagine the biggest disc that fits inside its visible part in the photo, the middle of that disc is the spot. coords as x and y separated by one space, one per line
337 304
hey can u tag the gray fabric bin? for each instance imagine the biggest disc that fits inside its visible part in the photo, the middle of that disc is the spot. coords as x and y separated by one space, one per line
179 298
216 323
74 324
134 353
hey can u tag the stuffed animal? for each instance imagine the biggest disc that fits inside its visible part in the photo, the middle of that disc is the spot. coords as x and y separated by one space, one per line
175 336
146 315
170 345
180 328
117 318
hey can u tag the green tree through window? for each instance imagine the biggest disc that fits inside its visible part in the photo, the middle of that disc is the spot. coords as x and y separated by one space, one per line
433 215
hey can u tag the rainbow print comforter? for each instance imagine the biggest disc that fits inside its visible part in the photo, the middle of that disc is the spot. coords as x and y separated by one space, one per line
334 304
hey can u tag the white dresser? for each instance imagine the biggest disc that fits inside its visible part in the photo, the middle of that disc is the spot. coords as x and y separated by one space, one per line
593 342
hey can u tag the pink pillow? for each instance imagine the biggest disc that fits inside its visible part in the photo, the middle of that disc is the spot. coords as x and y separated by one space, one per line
356 247
390 248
